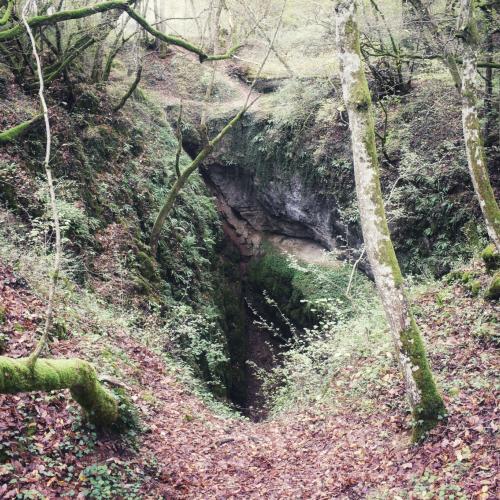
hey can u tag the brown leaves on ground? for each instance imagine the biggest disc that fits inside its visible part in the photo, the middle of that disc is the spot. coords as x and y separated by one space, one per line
186 451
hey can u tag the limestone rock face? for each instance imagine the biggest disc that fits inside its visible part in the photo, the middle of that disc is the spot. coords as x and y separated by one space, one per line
282 206
259 197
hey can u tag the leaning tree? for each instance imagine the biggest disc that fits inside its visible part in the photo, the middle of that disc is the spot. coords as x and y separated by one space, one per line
426 404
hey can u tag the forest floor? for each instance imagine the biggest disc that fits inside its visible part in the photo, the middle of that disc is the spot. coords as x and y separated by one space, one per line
185 450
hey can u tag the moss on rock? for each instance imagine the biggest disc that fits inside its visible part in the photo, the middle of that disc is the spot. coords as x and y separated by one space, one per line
493 292
302 292
491 258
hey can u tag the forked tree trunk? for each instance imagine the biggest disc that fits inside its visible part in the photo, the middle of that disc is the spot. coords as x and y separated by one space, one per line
474 146
426 403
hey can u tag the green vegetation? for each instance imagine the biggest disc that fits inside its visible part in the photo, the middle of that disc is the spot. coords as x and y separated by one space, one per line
435 221
18 130
493 291
491 258
190 307
303 292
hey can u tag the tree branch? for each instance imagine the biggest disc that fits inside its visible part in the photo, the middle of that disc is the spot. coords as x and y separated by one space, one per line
18 130
123 5
207 149
55 215
7 14
130 91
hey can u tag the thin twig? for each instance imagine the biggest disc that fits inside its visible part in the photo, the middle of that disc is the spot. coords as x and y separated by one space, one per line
269 50
55 215
179 142
351 278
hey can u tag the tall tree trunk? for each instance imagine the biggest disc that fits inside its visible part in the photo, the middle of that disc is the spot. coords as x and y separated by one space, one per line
474 145
425 402
476 156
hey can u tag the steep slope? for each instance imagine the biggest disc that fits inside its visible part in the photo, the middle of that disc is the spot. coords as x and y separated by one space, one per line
354 445
286 168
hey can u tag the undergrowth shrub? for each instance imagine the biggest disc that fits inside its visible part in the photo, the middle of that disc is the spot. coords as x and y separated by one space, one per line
307 369
303 292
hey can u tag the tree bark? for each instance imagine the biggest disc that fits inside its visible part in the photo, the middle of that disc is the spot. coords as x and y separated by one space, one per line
425 402
99 404
476 156
183 178
131 89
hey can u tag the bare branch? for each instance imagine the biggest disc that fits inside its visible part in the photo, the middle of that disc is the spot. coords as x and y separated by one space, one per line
55 215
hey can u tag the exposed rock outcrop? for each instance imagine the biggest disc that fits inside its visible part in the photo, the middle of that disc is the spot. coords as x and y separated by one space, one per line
256 196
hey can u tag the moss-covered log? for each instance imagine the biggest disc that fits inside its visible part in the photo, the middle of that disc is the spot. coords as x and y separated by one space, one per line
491 257
18 130
99 405
426 404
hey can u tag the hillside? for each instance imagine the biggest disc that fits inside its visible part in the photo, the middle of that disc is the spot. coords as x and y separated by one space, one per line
261 256
354 444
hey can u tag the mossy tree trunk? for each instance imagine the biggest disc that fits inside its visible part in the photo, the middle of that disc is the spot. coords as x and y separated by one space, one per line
465 85
182 178
99 404
476 156
17 131
426 403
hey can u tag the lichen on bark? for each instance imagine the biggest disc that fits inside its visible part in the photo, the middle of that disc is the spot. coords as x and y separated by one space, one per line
476 156
426 404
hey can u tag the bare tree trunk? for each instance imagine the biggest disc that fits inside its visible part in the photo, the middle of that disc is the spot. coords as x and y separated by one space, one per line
474 146
425 402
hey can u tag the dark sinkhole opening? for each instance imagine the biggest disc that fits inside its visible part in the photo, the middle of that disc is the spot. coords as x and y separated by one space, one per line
263 310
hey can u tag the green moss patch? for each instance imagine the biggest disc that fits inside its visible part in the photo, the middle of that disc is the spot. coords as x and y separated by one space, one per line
493 292
491 258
